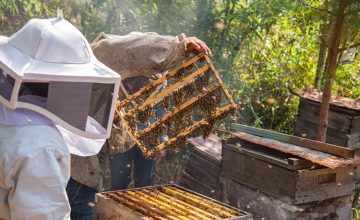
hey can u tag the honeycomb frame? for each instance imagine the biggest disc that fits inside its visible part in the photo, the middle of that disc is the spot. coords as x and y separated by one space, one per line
139 107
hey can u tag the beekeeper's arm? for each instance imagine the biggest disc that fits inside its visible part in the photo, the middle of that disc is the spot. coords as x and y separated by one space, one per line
145 53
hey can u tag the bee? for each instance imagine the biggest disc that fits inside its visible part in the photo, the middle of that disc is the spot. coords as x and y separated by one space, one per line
190 67
203 80
152 137
177 144
165 103
131 122
207 129
146 94
202 61
147 113
179 73
190 89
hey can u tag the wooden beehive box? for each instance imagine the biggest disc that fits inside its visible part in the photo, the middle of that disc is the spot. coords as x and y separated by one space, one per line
202 172
282 175
263 206
343 121
165 202
193 100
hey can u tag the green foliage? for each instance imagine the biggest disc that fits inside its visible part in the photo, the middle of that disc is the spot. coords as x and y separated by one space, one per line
171 170
348 80
8 6
262 48
356 214
14 13
274 60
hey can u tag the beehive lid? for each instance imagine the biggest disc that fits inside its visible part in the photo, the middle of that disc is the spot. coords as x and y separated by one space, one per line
210 146
324 154
338 101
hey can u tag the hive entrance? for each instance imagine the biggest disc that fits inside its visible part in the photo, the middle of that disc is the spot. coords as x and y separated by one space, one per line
193 99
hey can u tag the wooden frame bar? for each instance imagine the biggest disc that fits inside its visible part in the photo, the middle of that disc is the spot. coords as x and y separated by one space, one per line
220 81
158 82
177 110
193 128
168 90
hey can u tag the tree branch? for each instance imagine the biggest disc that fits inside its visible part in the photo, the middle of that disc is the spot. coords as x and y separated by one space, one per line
353 45
291 91
315 8
324 41
352 12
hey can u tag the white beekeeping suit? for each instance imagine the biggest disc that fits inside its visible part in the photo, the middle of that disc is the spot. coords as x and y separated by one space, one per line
55 96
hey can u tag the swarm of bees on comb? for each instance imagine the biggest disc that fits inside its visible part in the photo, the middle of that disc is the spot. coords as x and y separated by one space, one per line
192 101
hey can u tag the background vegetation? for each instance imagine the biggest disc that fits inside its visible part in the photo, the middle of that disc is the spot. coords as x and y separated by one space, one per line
262 48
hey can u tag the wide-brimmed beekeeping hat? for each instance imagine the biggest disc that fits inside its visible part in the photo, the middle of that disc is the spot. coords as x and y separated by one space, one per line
48 67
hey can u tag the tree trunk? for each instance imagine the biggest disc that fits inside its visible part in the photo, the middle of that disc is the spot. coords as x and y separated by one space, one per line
324 31
320 65
330 74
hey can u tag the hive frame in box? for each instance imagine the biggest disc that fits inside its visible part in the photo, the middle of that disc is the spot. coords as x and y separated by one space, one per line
108 205
208 99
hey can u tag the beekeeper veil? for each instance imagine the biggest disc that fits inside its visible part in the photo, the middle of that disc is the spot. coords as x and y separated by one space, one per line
48 67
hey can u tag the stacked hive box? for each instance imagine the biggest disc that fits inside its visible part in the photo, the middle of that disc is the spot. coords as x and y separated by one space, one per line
203 170
275 185
267 207
343 121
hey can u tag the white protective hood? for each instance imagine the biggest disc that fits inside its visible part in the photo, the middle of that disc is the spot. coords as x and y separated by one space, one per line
80 91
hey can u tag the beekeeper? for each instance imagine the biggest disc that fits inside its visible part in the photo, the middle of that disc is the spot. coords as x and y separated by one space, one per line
137 57
56 98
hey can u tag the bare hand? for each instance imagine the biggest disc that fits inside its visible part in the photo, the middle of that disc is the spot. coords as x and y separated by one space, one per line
195 46
160 156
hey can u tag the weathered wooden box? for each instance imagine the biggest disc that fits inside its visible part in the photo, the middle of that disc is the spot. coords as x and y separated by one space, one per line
202 172
267 207
343 121
165 202
281 175
200 186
